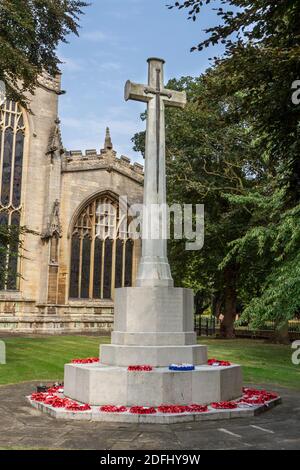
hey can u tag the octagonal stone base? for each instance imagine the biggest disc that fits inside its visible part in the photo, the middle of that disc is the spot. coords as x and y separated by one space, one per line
158 418
102 385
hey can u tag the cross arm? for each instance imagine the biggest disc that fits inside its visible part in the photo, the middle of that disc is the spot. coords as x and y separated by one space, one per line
177 99
136 92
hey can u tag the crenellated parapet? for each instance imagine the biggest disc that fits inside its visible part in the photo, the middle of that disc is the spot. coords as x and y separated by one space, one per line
106 159
50 83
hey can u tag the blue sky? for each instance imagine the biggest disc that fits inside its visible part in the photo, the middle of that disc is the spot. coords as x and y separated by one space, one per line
116 38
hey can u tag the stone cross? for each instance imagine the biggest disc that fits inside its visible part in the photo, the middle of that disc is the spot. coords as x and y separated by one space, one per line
154 269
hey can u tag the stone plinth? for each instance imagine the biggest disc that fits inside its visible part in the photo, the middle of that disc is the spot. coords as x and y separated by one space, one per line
157 356
101 385
153 325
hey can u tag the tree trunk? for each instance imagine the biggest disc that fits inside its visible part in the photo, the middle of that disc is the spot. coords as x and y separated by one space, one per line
216 305
230 303
281 334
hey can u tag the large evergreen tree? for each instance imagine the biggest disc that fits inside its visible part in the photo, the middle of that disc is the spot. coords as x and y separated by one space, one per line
261 62
209 156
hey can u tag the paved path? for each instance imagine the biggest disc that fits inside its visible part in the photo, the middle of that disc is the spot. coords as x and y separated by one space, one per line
21 426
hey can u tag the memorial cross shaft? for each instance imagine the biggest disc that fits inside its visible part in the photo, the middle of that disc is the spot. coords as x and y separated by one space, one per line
154 269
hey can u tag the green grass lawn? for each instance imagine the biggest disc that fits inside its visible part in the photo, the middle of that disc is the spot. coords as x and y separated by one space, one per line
43 358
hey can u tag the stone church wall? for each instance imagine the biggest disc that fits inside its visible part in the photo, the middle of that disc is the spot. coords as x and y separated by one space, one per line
56 185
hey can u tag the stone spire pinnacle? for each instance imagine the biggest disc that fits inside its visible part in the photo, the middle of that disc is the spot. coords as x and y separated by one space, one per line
108 143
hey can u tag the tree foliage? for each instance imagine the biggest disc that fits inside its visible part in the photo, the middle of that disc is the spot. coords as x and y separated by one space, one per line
260 64
209 156
30 31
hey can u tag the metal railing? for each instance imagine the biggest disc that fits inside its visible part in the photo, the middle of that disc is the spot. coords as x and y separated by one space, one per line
210 326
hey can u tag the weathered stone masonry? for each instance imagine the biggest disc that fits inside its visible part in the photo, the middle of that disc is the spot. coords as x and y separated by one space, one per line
56 186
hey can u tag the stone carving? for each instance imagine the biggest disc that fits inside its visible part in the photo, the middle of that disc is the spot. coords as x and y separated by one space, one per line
54 225
55 141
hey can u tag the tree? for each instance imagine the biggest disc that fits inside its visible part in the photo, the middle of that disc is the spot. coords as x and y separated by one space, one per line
30 31
261 61
208 157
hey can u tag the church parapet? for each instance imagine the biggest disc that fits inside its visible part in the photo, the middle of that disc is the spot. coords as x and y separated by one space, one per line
51 83
138 168
91 153
106 159
76 153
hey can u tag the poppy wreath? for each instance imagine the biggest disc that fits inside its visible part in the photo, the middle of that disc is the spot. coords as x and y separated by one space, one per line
73 406
142 410
39 397
194 408
256 397
137 368
216 362
113 409
55 389
88 360
57 402
224 405
176 409
182 367
172 409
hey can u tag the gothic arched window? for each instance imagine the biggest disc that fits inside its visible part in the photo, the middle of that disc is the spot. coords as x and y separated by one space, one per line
101 251
12 132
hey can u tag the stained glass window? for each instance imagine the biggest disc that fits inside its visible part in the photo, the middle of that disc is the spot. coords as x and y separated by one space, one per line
74 284
101 255
119 263
12 132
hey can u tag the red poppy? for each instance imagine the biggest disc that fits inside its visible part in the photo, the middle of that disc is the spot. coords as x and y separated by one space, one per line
224 405
39 397
252 396
113 409
88 360
194 408
73 406
217 362
145 368
142 410
172 409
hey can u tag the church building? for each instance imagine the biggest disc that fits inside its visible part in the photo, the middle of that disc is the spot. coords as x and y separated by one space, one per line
72 255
